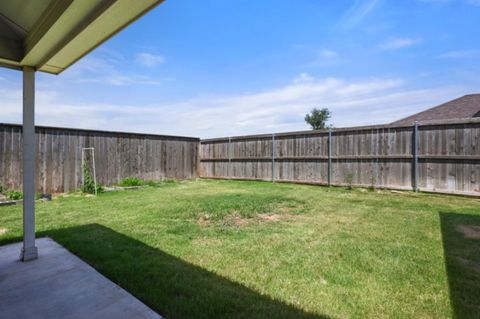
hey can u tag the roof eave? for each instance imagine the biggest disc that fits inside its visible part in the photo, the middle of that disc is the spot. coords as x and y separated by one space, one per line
69 30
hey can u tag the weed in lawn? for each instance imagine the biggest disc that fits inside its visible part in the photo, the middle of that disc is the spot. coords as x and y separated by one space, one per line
132 181
349 180
14 195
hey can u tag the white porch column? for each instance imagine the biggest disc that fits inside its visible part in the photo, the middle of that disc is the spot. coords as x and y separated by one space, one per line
29 250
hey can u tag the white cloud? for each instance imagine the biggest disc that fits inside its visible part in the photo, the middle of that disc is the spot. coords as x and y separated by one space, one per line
360 102
328 54
322 58
398 43
104 67
357 13
460 54
149 60
304 78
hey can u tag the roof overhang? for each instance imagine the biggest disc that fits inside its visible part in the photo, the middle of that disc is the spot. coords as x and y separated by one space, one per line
51 35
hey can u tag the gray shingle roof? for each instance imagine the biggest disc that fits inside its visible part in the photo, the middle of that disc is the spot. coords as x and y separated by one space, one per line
467 106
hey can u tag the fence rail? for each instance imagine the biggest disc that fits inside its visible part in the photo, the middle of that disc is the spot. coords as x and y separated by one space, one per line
117 155
442 156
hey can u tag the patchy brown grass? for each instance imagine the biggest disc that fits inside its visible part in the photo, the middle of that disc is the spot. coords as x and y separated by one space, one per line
270 217
235 220
232 220
204 220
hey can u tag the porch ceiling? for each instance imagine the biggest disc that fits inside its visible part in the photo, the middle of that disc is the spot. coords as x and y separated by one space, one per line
51 35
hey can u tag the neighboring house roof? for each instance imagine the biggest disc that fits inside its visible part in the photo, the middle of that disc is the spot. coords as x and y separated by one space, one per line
467 106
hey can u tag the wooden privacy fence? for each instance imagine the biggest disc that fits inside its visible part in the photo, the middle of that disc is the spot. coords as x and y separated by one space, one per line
428 156
117 155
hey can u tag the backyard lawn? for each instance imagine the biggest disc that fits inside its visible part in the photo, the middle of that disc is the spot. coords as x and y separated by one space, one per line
233 249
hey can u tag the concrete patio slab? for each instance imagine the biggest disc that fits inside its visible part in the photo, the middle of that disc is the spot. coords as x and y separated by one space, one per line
60 285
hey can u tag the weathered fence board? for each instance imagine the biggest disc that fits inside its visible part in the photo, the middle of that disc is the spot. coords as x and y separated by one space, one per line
117 155
448 156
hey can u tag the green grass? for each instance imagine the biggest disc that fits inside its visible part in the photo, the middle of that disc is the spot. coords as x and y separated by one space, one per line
131 181
232 249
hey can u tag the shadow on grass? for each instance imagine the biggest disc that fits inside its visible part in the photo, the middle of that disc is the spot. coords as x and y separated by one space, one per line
461 244
172 287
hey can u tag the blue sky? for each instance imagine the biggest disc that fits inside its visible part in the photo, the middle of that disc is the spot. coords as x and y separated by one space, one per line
219 68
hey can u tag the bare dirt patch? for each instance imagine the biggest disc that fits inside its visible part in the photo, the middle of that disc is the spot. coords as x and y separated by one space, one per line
270 217
204 220
230 220
469 231
239 221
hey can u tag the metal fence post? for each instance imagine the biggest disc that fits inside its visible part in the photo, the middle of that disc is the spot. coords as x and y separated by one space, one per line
415 157
273 157
329 156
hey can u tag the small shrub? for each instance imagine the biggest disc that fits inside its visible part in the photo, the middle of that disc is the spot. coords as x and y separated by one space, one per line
349 180
132 181
14 195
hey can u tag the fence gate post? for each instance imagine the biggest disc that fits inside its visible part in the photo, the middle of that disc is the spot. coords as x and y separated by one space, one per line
229 169
329 156
273 157
415 157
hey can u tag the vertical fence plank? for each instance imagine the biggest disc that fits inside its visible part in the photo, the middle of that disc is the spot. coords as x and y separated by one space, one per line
229 168
415 157
329 156
273 157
